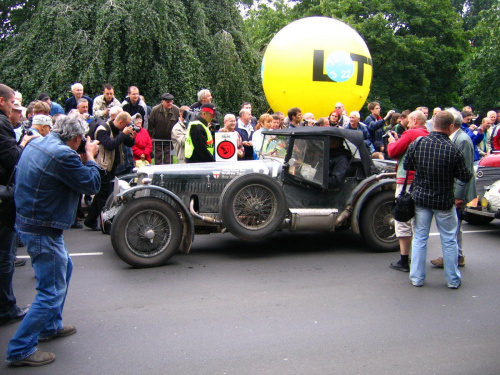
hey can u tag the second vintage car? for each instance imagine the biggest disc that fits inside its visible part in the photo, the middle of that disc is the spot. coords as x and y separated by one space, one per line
157 212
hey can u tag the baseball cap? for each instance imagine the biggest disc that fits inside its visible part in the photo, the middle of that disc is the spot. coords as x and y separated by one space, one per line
208 107
43 96
42 120
18 106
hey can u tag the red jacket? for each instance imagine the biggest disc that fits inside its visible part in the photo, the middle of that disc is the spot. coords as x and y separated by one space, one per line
143 145
397 149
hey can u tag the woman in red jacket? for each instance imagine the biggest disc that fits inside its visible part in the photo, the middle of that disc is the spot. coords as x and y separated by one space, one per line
143 144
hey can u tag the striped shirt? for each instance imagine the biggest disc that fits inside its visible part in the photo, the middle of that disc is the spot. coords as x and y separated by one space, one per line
437 161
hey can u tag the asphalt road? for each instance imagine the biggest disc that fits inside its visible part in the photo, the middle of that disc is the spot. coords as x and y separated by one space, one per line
292 304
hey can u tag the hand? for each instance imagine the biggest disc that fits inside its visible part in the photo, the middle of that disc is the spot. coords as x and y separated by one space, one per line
127 130
28 138
91 148
459 203
392 137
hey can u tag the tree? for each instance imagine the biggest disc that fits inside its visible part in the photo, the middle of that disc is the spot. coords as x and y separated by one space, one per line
157 45
480 69
416 45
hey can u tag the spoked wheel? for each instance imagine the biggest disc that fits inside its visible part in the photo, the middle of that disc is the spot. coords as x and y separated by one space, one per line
146 232
253 206
377 225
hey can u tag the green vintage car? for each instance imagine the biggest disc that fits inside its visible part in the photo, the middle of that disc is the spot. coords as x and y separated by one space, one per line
157 211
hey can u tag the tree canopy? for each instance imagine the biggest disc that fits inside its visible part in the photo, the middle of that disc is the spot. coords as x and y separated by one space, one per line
179 46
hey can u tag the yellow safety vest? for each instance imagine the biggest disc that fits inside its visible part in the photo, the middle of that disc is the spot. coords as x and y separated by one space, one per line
189 148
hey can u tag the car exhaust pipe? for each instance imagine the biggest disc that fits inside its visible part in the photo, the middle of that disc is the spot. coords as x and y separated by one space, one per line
205 219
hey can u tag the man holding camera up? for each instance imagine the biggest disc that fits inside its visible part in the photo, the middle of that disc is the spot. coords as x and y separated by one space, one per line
111 136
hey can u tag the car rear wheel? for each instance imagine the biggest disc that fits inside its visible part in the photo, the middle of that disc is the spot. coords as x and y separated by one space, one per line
377 224
146 232
253 206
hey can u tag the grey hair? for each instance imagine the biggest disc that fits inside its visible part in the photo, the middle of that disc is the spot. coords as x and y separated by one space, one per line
82 100
355 114
73 86
202 94
69 127
458 119
115 110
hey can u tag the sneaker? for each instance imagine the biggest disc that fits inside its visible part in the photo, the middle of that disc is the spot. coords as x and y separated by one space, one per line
38 358
438 262
19 315
454 286
77 225
461 261
19 262
400 266
63 332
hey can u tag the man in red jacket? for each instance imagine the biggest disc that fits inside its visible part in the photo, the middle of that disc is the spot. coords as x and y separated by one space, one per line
397 149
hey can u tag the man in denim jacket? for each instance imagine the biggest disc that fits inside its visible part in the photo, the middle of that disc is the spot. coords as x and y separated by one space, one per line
50 178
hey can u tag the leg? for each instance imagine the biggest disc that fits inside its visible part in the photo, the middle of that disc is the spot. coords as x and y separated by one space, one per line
99 201
8 250
404 233
52 267
423 219
447 223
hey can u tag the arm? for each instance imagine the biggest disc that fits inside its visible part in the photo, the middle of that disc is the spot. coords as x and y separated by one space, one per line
85 179
337 171
109 143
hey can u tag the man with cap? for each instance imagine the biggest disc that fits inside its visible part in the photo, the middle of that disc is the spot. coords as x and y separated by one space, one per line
54 107
199 146
41 125
15 118
162 119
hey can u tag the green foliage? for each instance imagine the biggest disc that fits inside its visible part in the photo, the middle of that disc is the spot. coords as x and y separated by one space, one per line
480 70
179 46
416 45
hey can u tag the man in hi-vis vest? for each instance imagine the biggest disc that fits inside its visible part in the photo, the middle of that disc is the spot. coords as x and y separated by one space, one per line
199 147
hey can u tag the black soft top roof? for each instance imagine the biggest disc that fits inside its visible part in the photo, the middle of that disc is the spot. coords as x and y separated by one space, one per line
354 136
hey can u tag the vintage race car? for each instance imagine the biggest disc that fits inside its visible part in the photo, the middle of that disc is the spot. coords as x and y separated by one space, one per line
486 207
157 211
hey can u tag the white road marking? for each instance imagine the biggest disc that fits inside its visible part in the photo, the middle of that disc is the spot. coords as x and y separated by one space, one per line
72 255
469 231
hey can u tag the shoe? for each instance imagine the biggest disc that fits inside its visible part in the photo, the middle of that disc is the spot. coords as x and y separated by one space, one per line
417 285
400 266
65 331
18 316
93 226
438 262
454 286
77 225
19 262
38 358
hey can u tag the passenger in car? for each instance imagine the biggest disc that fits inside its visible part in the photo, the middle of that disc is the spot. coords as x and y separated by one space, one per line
339 161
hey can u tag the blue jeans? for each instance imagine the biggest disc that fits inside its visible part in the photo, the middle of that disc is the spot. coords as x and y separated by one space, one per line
446 222
53 267
8 250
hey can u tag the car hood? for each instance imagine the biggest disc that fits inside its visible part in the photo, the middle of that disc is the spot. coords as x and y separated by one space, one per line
216 170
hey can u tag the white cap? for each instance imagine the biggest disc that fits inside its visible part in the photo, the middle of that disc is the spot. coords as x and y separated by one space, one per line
42 120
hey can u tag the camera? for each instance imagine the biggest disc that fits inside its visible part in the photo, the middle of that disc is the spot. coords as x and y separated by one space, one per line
81 148
137 129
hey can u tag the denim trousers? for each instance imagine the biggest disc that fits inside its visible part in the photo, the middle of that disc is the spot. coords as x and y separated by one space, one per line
447 223
8 250
53 267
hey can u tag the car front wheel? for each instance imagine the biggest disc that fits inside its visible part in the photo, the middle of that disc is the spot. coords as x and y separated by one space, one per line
146 232
377 225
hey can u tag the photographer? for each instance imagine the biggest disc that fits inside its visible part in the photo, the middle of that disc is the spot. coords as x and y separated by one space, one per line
111 136
103 103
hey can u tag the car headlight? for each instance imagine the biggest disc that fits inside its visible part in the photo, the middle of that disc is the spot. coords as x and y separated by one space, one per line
484 202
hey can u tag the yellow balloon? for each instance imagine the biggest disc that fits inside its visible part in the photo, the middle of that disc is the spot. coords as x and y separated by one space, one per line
315 62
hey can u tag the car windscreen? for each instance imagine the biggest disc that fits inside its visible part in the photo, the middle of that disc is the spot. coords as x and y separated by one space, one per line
275 145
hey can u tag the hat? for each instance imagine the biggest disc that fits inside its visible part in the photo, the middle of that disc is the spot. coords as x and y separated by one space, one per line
43 96
167 96
18 106
136 116
42 120
208 107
